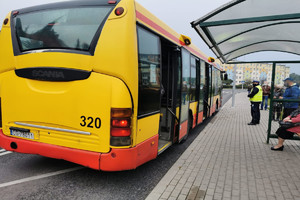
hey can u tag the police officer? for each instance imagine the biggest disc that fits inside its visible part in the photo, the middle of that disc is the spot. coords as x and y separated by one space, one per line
255 99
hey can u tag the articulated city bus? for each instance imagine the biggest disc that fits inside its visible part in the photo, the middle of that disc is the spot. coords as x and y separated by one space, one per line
101 83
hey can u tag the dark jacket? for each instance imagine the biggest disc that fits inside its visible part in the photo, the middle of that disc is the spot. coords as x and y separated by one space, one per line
278 93
291 93
266 90
255 90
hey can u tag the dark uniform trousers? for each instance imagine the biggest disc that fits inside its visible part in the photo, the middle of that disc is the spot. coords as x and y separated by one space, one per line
255 112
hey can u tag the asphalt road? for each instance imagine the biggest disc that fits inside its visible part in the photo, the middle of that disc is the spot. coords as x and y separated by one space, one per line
35 177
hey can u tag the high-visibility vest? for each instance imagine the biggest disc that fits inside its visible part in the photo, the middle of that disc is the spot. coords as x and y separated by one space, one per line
258 96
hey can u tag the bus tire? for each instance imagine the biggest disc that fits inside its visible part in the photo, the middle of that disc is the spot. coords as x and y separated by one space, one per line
190 122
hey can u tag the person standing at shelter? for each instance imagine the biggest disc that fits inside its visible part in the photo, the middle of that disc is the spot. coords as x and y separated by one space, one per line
255 96
291 92
288 132
266 93
277 106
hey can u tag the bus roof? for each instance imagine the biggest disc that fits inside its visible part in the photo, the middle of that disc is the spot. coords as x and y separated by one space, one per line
151 21
64 4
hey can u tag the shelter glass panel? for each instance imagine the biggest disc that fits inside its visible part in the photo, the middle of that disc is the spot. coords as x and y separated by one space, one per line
288 47
280 32
257 8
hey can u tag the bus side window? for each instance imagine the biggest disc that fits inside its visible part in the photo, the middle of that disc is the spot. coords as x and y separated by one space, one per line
193 79
149 72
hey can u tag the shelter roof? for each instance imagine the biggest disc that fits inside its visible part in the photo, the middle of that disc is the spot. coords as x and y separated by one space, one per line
243 27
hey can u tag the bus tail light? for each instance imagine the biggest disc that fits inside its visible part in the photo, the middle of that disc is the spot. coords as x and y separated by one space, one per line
121 112
120 126
15 13
121 123
112 2
120 132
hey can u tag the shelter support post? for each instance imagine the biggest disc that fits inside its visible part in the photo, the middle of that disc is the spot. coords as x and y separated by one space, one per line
233 87
271 102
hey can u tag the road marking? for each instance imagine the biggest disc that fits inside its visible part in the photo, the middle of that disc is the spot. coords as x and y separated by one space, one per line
5 153
2 150
24 180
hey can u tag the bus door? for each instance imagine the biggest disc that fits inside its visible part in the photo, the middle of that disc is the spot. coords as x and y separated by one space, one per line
169 113
207 91
185 91
199 89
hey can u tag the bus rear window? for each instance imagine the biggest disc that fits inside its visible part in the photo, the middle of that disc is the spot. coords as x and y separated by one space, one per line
73 28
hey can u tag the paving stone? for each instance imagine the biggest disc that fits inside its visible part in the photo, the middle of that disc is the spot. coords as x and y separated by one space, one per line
230 160
182 197
165 195
185 191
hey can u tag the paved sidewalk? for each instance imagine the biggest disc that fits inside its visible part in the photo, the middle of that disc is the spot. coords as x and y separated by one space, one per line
230 160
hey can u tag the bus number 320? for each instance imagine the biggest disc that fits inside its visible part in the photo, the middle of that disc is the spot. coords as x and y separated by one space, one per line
90 122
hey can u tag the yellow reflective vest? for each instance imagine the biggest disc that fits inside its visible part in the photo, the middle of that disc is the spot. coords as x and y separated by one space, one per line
258 96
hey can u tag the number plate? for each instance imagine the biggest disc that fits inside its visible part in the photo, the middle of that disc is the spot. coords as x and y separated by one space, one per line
23 133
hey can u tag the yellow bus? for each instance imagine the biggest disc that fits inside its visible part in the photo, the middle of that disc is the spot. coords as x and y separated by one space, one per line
101 83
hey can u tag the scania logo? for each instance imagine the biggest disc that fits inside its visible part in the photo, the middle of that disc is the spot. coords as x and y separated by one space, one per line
48 74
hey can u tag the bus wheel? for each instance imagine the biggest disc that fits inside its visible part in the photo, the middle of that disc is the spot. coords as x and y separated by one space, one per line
190 122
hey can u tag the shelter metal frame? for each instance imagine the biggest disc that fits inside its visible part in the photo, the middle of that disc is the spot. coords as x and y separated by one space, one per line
277 18
272 100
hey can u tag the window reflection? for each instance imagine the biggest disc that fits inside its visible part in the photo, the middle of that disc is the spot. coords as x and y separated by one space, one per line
63 28
149 72
186 70
202 85
193 79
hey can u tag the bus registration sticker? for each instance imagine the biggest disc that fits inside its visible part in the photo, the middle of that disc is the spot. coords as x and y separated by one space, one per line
20 132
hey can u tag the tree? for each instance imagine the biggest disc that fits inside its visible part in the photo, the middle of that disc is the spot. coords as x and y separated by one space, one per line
248 82
228 82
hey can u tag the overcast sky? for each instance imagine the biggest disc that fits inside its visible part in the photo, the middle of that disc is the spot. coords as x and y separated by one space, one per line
176 13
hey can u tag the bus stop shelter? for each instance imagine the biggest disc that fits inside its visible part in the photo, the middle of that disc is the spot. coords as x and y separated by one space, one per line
243 27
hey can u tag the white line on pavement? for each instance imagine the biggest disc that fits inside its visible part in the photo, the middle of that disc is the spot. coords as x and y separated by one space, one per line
5 153
39 177
2 150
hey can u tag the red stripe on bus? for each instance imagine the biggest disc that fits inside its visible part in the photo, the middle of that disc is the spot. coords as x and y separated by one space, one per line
148 21
153 25
183 129
200 117
213 109
115 160
131 158
194 120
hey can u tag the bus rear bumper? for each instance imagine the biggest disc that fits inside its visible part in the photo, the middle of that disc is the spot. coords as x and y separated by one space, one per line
115 160
131 158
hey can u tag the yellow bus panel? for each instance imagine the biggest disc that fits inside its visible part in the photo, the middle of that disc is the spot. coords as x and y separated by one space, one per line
66 105
147 128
